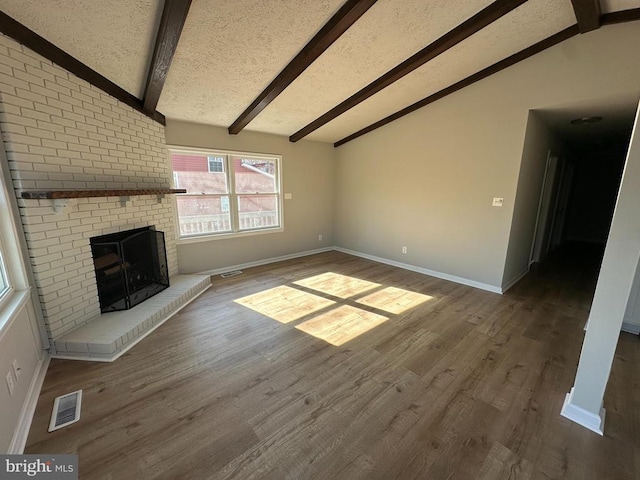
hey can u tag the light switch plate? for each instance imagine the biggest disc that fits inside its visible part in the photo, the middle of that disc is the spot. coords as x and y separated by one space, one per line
9 383
16 368
498 201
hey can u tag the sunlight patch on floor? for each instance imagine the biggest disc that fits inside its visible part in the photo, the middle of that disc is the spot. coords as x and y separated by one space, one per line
284 304
394 300
337 285
341 324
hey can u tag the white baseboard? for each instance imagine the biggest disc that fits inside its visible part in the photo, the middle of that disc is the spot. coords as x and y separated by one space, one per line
592 421
630 328
19 440
515 280
406 266
425 271
266 261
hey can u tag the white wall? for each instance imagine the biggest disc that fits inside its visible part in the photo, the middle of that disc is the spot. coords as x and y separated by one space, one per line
19 340
426 181
307 173
631 322
60 132
20 325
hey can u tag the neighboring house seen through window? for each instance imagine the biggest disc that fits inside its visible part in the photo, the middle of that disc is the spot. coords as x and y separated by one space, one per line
227 193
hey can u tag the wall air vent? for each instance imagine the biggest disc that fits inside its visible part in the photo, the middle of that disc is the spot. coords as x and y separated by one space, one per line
66 410
231 274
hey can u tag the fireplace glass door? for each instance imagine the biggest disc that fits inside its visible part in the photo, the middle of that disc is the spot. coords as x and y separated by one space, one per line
130 267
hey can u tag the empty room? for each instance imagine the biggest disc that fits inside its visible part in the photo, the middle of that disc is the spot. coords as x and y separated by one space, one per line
331 239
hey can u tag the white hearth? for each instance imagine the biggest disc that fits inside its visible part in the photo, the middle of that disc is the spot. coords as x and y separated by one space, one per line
107 336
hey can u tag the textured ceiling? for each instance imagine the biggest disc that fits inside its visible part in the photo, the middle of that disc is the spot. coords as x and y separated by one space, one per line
505 36
230 50
390 32
608 6
113 37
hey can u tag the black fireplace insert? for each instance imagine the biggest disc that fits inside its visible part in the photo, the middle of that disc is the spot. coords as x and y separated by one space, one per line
130 267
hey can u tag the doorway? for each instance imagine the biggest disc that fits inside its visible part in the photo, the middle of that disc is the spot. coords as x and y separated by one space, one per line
581 182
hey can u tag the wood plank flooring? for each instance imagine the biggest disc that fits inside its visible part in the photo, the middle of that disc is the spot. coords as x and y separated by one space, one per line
456 383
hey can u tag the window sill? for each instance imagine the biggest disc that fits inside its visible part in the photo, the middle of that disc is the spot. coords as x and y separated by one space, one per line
11 307
226 236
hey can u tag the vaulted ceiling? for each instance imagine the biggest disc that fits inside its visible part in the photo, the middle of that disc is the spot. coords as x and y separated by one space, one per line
230 51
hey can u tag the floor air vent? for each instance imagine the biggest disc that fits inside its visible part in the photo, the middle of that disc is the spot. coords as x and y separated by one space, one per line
231 274
66 410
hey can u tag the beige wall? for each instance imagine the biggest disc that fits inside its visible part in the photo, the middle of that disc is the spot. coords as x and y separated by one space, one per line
537 144
426 181
308 174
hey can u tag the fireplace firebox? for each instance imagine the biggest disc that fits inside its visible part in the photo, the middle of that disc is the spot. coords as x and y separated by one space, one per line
130 266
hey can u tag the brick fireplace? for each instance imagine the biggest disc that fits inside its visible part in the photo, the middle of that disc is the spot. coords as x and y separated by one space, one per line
60 132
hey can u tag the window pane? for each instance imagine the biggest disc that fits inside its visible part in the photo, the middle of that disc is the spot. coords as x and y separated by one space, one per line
254 175
203 214
200 173
4 285
257 211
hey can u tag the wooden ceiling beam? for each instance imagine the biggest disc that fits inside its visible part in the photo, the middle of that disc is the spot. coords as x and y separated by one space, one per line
622 16
612 18
174 15
587 14
48 50
463 31
348 14
476 77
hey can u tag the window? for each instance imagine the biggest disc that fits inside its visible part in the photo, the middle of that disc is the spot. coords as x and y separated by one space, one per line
227 192
216 164
224 204
12 273
14 284
4 284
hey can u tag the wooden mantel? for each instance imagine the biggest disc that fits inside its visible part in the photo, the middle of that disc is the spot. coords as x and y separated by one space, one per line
61 198
65 194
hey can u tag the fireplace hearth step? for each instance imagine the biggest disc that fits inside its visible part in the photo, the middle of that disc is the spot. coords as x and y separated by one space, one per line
109 335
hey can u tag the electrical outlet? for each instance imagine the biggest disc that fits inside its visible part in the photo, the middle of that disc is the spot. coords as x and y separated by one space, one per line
320 237
9 383
404 249
497 201
16 369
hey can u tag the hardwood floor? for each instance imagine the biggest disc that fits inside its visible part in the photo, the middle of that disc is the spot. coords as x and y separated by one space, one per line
460 384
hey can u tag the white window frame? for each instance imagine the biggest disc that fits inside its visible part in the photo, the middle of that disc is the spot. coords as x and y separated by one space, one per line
232 195
5 278
11 269
12 260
